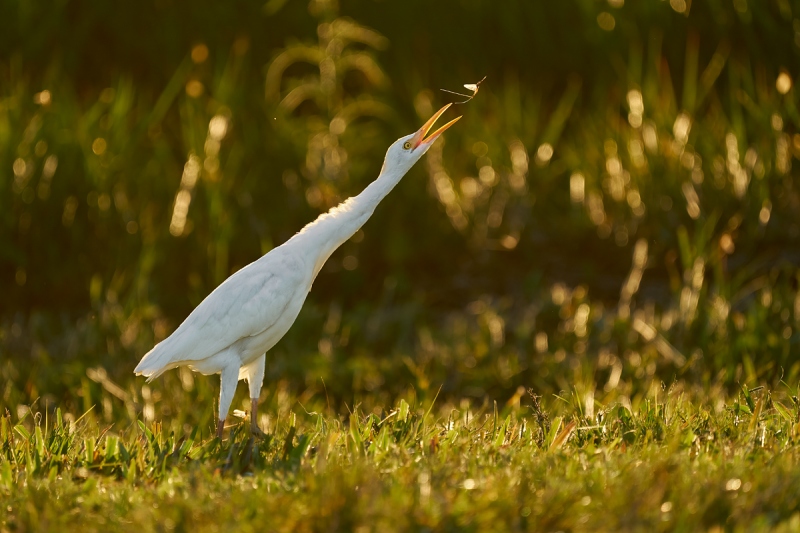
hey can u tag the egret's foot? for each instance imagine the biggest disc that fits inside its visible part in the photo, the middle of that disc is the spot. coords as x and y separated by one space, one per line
220 427
257 432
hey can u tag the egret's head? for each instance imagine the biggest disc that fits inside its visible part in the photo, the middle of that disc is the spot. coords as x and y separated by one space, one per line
407 150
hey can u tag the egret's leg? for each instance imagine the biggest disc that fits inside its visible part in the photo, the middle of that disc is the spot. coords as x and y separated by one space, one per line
227 386
254 374
254 429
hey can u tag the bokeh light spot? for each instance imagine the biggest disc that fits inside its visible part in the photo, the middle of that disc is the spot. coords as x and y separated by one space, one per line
218 127
577 187
350 262
606 21
678 5
194 88
726 243
43 98
199 53
99 146
783 83
544 154
19 167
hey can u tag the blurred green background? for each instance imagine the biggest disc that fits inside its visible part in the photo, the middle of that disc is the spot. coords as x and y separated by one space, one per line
618 206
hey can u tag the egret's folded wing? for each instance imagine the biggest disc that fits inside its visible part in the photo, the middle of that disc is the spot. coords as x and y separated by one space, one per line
245 304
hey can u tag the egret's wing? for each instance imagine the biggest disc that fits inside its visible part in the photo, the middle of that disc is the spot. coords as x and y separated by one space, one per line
244 305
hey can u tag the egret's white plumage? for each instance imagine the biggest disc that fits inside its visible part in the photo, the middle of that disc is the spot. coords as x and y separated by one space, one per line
231 330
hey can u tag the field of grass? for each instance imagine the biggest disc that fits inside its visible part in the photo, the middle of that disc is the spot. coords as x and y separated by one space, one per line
672 461
580 312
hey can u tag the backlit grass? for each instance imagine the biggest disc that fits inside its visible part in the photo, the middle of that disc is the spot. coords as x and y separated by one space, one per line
560 463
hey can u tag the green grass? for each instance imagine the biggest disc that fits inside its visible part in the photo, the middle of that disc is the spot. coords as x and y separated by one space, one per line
673 461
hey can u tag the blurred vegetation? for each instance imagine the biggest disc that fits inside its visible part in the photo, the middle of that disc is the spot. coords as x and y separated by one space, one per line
617 206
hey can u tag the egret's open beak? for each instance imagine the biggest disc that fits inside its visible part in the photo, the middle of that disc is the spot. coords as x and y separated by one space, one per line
419 137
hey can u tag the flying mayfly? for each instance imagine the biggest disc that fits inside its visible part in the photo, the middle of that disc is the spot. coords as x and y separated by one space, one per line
474 87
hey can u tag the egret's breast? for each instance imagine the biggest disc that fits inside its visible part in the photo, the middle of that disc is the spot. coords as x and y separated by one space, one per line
298 279
250 348
295 281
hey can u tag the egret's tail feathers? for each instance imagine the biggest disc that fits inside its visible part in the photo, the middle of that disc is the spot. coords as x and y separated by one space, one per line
151 373
154 363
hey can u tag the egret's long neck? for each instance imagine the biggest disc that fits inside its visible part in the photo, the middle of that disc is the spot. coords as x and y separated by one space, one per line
330 230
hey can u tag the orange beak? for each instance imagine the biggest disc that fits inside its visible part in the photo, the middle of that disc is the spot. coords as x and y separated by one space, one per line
419 137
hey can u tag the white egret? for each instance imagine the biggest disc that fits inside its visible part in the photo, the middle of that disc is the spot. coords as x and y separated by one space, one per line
231 330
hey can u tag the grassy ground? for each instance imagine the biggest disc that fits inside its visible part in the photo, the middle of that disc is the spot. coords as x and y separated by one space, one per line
672 461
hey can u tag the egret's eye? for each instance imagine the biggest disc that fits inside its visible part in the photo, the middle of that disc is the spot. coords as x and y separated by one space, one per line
406 145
